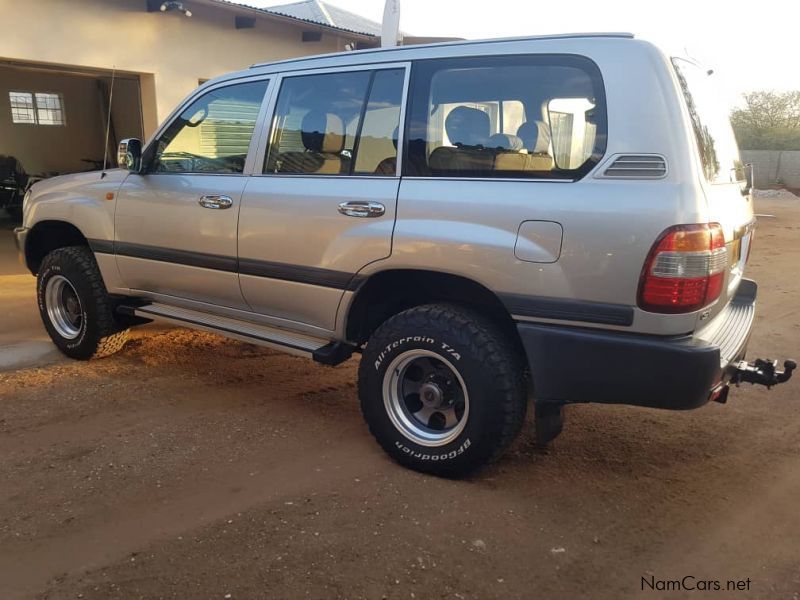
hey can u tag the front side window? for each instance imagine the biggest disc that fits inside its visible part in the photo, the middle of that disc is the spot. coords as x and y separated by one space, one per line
534 116
212 135
39 108
716 142
337 124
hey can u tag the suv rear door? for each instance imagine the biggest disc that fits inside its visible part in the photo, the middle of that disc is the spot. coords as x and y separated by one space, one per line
176 223
321 204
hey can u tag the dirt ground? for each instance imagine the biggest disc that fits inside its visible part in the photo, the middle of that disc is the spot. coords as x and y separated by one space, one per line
190 466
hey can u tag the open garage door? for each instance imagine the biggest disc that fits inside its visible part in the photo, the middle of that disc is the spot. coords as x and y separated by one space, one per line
53 118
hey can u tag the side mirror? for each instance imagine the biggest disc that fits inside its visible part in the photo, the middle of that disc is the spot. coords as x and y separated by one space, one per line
129 155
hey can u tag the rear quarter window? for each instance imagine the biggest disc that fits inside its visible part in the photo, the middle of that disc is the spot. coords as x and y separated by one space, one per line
531 116
716 143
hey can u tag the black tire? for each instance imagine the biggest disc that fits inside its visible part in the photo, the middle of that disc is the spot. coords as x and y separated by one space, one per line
98 334
490 369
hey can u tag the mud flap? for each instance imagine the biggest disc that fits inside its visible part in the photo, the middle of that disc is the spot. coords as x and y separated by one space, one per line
548 422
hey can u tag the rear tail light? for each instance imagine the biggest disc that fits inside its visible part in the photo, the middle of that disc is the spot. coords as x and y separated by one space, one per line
685 270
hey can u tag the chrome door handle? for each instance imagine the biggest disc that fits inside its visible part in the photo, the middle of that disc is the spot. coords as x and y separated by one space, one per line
362 209
215 201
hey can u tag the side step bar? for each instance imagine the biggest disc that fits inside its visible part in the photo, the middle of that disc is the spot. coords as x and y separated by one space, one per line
320 349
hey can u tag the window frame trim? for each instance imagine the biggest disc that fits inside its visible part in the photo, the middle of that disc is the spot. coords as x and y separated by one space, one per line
544 176
196 95
35 106
268 130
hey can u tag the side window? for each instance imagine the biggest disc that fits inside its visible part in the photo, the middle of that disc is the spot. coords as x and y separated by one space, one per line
716 142
212 135
572 131
337 124
377 142
538 116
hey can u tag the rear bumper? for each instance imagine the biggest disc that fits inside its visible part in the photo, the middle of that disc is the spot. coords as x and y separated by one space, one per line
581 365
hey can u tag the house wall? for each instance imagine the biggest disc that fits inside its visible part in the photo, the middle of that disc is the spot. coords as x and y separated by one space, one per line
48 148
168 50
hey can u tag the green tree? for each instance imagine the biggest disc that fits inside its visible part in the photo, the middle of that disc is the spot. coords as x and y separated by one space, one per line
768 121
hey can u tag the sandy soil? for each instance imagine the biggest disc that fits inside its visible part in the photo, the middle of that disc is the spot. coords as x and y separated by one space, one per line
190 466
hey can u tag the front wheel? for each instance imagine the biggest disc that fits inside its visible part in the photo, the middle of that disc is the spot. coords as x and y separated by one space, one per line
75 307
442 389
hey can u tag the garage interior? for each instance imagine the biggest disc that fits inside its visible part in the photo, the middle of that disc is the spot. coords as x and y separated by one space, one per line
53 118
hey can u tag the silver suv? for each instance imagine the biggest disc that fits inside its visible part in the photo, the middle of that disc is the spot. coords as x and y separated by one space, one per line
564 216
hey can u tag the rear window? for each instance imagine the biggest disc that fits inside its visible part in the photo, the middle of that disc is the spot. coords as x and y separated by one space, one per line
716 143
534 117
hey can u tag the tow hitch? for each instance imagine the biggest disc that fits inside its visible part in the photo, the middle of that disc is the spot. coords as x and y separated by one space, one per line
763 372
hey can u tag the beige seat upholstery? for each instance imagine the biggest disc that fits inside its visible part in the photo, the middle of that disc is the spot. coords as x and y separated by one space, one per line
468 130
323 136
509 153
535 136
505 142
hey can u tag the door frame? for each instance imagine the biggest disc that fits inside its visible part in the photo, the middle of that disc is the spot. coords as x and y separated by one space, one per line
203 90
265 133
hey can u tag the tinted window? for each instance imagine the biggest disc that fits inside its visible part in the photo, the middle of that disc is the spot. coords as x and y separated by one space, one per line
212 135
521 116
712 128
337 124
376 151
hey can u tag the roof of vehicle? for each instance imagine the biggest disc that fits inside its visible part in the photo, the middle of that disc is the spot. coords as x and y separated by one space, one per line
415 52
416 48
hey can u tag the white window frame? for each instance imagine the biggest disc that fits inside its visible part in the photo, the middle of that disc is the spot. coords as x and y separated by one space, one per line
35 106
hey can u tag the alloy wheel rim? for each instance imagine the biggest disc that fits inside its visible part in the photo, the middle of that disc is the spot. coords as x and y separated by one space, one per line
426 398
63 307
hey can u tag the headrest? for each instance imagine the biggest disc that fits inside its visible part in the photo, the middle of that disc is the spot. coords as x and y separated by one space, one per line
535 136
467 126
504 141
395 136
323 132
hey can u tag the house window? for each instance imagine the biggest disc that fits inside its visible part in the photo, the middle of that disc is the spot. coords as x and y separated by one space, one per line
36 108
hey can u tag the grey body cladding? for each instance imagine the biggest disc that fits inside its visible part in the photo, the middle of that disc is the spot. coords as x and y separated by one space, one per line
517 305
568 310
245 266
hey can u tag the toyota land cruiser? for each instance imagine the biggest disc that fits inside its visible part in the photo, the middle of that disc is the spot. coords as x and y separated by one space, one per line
564 217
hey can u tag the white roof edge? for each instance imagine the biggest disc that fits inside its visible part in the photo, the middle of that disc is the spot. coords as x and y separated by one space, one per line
556 36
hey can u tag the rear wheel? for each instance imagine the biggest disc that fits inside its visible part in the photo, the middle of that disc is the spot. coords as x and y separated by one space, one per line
442 390
75 307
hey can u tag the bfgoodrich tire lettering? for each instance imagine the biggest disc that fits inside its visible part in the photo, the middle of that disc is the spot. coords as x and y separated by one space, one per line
92 331
492 404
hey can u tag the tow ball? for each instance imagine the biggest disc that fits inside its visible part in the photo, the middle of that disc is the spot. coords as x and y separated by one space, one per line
763 372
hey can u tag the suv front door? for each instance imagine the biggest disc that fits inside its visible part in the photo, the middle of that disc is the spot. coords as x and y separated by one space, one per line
324 206
176 222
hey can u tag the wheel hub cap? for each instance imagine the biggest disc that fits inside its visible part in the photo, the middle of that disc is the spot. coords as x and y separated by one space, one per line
431 395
